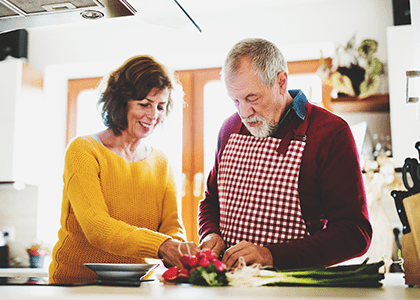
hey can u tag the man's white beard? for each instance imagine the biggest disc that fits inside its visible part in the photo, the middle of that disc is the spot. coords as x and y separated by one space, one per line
262 131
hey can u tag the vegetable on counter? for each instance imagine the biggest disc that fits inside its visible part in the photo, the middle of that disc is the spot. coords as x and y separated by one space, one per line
202 269
358 275
206 270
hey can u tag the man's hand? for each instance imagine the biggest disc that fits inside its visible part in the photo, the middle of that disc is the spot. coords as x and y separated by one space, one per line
172 250
213 242
250 252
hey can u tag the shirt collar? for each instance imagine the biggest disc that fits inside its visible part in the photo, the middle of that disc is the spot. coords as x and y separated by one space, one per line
296 110
299 103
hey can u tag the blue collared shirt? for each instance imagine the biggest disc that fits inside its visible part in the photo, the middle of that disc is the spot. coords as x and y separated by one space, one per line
296 110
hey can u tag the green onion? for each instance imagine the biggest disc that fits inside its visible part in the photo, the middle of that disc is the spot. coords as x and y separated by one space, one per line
358 275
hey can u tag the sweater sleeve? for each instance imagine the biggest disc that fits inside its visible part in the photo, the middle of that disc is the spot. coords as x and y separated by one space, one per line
83 189
208 208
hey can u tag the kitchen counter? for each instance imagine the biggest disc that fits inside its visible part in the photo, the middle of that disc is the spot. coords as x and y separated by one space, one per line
23 272
394 288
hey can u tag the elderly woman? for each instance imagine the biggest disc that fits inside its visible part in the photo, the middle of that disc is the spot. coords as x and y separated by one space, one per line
119 196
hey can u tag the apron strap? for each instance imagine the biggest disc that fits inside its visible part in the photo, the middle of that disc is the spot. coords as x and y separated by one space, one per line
297 134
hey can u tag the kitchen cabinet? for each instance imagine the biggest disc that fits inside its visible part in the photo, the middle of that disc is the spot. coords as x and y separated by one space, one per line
21 109
403 46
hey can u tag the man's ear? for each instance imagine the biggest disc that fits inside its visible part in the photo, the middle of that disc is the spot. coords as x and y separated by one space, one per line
282 79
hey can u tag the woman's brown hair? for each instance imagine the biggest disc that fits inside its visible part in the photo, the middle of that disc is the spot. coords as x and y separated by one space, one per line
132 81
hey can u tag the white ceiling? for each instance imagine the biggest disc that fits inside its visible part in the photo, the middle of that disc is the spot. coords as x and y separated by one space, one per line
203 7
205 11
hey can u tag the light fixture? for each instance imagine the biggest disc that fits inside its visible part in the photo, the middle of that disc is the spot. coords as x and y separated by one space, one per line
92 14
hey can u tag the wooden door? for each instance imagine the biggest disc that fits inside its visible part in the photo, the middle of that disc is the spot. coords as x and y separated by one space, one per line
193 83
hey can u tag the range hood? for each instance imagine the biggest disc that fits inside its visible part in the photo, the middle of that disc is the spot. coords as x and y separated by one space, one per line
22 14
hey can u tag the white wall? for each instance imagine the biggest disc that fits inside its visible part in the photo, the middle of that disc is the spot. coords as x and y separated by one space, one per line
93 48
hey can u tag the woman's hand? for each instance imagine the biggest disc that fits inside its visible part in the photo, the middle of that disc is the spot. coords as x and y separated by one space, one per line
172 250
214 242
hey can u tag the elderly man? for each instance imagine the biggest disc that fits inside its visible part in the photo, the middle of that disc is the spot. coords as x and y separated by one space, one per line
286 189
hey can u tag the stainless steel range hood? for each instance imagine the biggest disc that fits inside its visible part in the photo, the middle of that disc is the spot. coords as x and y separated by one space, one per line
20 14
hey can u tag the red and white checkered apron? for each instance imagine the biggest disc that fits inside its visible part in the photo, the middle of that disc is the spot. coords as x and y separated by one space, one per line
258 190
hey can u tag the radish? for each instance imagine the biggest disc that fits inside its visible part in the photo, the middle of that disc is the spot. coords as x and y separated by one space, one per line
184 273
171 274
208 254
193 262
185 260
197 269
204 262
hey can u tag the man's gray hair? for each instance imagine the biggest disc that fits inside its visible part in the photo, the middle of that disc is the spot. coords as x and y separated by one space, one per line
266 58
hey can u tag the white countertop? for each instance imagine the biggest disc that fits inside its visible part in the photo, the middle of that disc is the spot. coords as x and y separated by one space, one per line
393 289
23 272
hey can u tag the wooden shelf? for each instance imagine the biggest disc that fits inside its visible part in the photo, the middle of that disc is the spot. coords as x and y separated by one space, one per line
375 103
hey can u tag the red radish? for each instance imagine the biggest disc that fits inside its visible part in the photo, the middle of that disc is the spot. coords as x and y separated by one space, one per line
171 274
204 262
184 273
193 261
208 254
219 265
213 260
185 260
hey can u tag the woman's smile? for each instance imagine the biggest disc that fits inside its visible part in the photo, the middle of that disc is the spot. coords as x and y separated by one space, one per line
147 126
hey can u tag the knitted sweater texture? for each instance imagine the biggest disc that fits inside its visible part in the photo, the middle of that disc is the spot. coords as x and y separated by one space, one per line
113 211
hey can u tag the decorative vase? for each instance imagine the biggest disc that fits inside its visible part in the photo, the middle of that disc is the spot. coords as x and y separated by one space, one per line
36 261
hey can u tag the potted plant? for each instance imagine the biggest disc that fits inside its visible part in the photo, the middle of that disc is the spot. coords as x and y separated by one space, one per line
355 70
37 254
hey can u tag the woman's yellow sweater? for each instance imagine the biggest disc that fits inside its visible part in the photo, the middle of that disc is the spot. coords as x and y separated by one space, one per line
113 211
